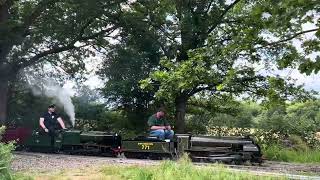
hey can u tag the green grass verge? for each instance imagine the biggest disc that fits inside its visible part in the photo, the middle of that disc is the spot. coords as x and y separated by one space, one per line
167 170
278 153
181 170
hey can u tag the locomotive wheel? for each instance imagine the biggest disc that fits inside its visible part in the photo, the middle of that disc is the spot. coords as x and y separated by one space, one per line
236 162
167 157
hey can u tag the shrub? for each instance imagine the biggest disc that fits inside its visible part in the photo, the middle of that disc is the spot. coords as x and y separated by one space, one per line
279 153
262 137
297 143
301 119
5 158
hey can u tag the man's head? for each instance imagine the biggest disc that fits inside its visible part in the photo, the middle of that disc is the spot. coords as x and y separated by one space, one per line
51 108
160 113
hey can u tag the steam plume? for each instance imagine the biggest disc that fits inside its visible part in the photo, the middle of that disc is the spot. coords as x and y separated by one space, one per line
59 94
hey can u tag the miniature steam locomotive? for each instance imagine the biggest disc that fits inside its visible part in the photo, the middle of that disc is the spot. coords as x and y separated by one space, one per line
200 148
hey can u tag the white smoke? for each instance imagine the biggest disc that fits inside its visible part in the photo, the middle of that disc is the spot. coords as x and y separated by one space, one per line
59 95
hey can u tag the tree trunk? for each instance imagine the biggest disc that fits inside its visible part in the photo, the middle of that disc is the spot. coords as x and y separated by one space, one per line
4 87
181 106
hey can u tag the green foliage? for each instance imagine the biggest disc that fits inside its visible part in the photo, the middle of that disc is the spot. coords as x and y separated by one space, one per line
5 158
297 143
181 170
41 30
243 116
279 153
215 66
207 112
123 68
52 34
274 119
300 119
206 47
221 111
264 138
268 126
125 65
94 115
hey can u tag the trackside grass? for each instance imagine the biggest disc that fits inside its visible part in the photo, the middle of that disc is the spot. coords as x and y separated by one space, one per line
277 153
167 170
181 170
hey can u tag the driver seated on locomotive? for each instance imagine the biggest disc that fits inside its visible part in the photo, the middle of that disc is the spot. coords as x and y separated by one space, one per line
48 122
159 126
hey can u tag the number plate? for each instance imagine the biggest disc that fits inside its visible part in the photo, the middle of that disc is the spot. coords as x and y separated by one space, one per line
145 146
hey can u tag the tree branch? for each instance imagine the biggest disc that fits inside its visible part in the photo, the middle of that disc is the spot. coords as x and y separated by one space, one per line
209 6
199 89
292 37
239 81
57 49
226 10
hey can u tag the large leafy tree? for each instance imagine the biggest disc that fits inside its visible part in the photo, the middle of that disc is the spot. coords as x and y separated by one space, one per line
123 68
215 46
127 62
61 32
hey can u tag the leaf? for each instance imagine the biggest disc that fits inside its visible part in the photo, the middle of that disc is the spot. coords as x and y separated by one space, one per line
220 87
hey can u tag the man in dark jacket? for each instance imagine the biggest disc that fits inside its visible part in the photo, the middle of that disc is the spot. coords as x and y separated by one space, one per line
159 126
49 121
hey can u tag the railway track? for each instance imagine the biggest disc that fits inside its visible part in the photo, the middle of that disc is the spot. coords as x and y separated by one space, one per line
27 161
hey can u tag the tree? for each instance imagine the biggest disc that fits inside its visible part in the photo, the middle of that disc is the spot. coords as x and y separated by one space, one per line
123 68
220 111
132 59
62 33
215 47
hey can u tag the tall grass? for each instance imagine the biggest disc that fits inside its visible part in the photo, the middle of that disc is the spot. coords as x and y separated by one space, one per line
278 153
181 170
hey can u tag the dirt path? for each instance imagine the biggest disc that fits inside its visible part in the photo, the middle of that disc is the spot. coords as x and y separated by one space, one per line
25 161
47 162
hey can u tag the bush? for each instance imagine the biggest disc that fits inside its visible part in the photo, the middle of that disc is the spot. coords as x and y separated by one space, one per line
277 152
262 137
297 143
301 119
5 158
